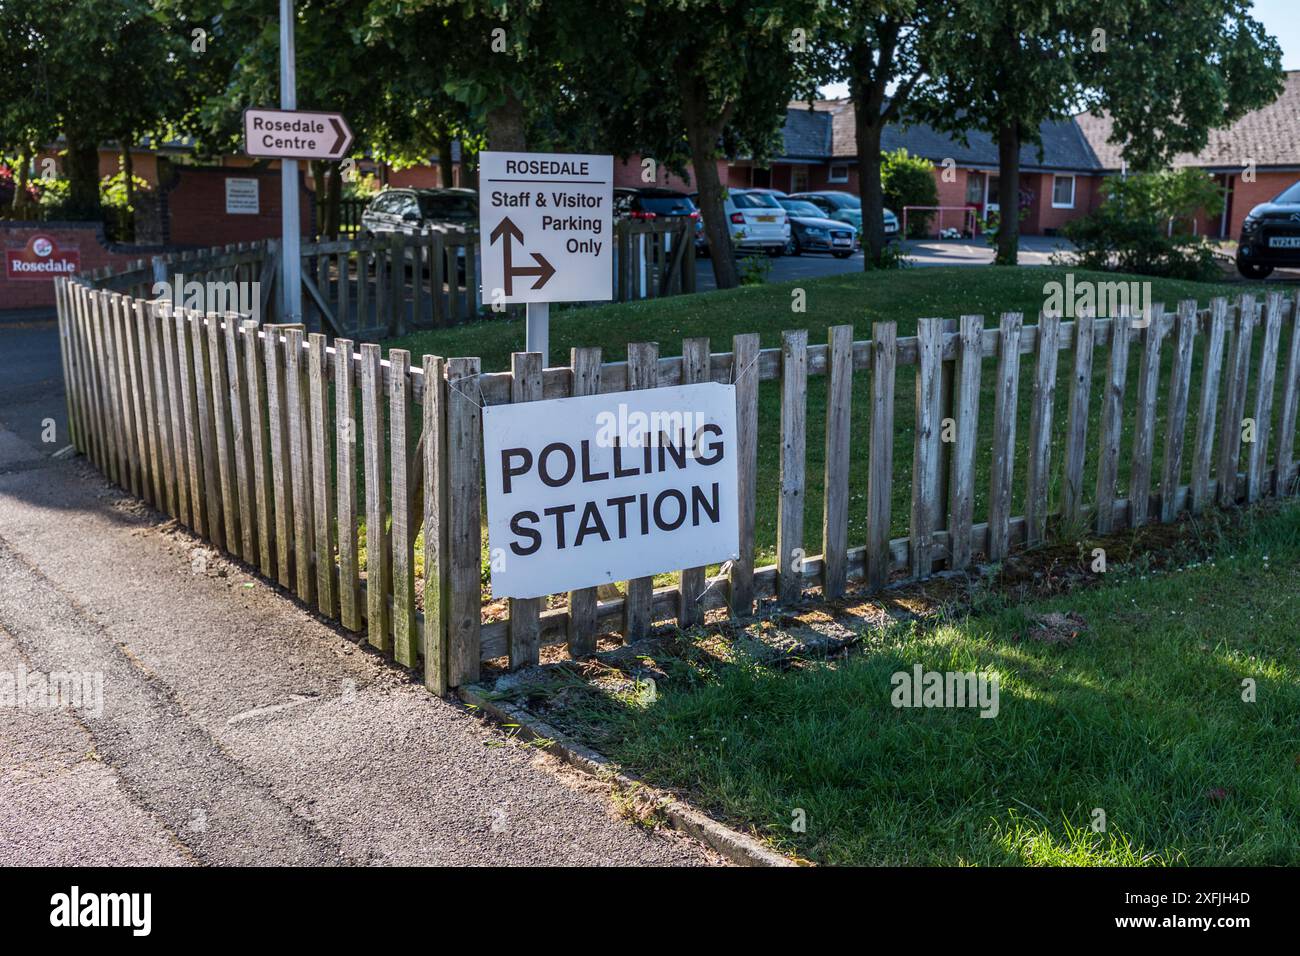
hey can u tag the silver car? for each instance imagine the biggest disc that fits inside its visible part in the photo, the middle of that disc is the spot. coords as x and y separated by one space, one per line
757 221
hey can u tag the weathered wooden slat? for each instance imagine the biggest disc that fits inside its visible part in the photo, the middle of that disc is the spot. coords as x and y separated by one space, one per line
108 352
585 363
642 372
1285 467
926 453
1144 427
1112 423
281 476
794 421
464 493
223 430
322 480
345 476
435 525
259 446
880 474
1004 435
1257 458
378 550
1042 405
241 441
131 455
82 342
1180 387
1211 371
99 392
1234 401
744 375
525 633
695 370
406 638
157 363
835 507
1076 442
188 443
208 449
151 452
295 380
966 403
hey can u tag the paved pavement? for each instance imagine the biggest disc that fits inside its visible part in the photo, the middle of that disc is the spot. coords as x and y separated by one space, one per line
222 723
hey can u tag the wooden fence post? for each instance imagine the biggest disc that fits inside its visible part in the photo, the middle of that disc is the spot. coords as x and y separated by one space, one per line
744 376
322 491
696 364
525 620
1235 400
1180 386
961 494
1004 435
926 445
835 505
1203 455
880 474
1144 429
1076 442
259 445
377 545
1043 404
406 643
1287 417
790 554
1257 459
642 372
345 476
465 491
1112 422
582 602
304 527
435 526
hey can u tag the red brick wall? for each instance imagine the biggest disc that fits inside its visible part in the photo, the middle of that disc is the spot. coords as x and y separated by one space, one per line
627 173
87 238
1245 196
196 207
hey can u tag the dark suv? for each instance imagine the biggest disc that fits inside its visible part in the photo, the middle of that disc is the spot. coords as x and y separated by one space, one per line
1270 236
412 210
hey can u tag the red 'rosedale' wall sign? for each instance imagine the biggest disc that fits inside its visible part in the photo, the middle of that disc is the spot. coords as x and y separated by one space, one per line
41 258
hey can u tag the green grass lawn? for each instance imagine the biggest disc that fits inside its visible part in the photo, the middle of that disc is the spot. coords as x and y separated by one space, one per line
857 299
1142 718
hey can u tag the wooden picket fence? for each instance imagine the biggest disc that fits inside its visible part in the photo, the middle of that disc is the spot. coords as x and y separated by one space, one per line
385 287
250 437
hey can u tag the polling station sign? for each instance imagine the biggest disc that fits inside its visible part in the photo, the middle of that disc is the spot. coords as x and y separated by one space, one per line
599 488
547 224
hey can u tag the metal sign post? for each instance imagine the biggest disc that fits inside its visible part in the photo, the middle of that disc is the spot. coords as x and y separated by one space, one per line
290 257
537 330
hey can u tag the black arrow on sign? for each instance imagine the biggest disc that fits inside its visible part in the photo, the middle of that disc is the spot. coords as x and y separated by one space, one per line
543 270
337 148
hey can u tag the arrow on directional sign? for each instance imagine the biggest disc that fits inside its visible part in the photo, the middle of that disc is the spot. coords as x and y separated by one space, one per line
506 230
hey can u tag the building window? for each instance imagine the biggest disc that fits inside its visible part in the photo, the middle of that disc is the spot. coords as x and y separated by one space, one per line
839 173
798 179
974 189
1062 192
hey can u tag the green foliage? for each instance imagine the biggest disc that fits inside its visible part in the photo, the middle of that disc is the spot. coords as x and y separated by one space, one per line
754 268
1145 225
909 181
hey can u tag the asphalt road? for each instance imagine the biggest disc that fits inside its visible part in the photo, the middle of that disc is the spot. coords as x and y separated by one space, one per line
230 725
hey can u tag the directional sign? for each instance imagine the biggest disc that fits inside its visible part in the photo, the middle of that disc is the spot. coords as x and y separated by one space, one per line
548 222
295 134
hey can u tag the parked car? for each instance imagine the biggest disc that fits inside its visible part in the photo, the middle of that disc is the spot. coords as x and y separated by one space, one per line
758 222
812 231
413 210
847 207
655 202
1270 235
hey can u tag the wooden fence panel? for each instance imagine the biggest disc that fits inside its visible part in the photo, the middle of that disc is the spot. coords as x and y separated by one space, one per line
642 372
835 500
525 624
345 471
880 474
1042 406
1257 459
378 576
1180 386
696 364
1112 422
926 445
1211 369
1004 435
585 363
961 463
794 419
1144 428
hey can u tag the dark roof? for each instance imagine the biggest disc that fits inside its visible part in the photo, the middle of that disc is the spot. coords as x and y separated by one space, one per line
831 123
1270 136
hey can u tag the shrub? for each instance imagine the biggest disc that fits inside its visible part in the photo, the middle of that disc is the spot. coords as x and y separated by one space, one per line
1145 225
909 181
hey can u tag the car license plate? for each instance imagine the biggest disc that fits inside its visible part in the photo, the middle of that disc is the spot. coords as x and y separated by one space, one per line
767 218
1284 242
841 242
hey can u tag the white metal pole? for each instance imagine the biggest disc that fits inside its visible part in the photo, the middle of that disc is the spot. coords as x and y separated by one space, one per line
290 257
537 329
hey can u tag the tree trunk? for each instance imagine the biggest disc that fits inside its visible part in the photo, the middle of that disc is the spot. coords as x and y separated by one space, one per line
81 165
444 162
505 125
1008 194
20 203
702 135
869 128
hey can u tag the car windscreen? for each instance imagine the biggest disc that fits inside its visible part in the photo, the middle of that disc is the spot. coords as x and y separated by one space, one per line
1290 195
803 209
448 207
844 201
754 201
667 205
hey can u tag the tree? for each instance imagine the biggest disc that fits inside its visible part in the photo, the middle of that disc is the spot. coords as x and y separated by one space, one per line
878 47
1167 75
908 180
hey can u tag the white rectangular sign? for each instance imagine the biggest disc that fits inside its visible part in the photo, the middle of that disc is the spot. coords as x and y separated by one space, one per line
546 222
584 491
241 197
295 134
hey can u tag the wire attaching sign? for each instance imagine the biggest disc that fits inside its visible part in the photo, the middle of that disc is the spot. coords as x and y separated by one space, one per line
546 222
600 488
